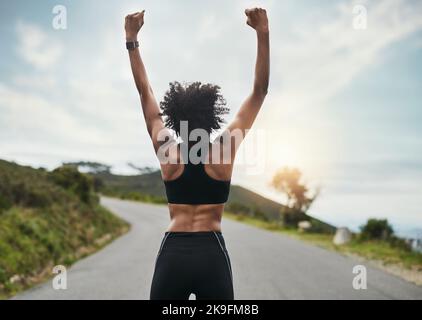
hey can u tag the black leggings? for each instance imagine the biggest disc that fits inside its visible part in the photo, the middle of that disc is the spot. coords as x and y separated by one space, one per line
192 262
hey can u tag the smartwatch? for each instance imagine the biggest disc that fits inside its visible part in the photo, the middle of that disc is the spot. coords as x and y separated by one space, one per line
131 45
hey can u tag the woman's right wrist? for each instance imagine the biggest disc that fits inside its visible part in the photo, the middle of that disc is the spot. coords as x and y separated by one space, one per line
131 37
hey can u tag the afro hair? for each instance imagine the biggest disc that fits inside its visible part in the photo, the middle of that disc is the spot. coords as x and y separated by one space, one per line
202 105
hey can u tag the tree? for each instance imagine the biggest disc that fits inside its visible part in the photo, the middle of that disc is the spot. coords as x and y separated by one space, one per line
299 197
376 229
68 177
91 167
141 170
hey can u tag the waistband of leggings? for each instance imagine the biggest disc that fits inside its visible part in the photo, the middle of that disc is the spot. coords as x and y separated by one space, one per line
192 233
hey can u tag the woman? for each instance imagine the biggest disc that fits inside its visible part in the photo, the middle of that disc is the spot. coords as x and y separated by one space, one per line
193 258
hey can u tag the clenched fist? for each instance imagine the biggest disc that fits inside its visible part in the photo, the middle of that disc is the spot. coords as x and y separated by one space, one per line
257 19
134 23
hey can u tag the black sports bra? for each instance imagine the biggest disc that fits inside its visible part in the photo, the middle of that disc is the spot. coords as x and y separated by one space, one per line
195 186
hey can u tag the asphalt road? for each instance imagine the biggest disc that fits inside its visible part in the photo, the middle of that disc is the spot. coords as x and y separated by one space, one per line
265 265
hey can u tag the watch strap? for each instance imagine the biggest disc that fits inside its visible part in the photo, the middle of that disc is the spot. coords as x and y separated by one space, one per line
131 45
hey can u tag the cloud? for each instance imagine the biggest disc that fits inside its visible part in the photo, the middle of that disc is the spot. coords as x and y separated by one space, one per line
325 53
35 118
317 57
36 47
209 28
42 82
45 131
88 109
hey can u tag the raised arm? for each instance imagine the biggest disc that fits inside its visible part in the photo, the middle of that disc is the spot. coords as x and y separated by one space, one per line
151 110
257 19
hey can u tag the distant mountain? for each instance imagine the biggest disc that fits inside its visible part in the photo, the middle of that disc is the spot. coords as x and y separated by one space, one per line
241 195
147 183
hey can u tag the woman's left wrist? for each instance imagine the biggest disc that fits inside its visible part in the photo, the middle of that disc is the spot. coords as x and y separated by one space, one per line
265 30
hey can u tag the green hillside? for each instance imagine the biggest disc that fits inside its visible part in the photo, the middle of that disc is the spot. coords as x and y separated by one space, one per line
148 183
46 219
240 196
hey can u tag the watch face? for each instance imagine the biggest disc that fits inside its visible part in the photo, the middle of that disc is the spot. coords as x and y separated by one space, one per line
130 45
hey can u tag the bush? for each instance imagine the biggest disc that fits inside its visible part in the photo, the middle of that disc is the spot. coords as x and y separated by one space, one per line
321 227
399 243
238 208
247 211
259 214
4 203
98 183
376 229
291 217
24 186
78 183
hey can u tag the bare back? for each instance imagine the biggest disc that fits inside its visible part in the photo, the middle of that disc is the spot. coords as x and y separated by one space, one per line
202 217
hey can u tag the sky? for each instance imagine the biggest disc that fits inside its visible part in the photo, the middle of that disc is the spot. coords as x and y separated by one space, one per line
344 102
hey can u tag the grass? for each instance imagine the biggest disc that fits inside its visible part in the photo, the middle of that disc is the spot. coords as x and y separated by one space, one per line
373 250
135 196
47 219
32 241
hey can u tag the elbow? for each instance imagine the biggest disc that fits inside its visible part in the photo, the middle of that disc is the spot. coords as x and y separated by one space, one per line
144 90
260 88
261 91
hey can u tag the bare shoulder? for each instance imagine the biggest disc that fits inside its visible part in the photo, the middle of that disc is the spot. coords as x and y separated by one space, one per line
219 164
168 155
